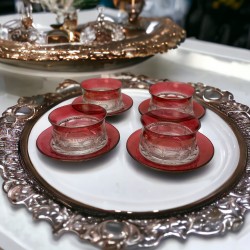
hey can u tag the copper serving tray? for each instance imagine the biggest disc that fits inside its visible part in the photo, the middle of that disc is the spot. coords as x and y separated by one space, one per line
159 35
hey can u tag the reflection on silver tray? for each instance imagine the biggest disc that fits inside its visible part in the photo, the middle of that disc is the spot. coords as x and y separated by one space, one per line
225 214
159 35
75 66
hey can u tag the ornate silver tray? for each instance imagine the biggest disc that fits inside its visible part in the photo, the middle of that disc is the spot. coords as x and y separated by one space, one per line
159 35
225 211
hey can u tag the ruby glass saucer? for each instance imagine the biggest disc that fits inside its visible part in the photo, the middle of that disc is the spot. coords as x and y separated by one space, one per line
127 101
206 154
44 145
199 110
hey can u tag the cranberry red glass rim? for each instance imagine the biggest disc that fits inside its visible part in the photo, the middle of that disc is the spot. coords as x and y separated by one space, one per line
174 87
156 116
91 85
73 110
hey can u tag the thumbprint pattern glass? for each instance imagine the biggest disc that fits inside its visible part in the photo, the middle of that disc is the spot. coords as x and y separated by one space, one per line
172 95
78 129
169 137
105 92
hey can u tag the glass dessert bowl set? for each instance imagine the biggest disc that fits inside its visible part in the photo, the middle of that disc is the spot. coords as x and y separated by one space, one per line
168 140
93 171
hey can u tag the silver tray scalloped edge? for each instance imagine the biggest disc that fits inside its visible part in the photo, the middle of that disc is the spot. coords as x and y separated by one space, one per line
226 214
160 35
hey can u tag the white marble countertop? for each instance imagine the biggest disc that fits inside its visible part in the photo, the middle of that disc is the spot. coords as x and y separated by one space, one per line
224 67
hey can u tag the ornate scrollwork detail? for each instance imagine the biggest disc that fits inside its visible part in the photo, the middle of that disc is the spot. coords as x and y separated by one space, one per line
225 214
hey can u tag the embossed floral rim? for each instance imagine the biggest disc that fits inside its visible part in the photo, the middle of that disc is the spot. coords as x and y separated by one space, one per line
225 214
164 35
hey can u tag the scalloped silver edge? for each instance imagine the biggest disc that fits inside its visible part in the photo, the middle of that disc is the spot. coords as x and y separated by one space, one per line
226 214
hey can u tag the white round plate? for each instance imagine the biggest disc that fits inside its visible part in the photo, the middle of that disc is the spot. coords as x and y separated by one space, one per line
116 182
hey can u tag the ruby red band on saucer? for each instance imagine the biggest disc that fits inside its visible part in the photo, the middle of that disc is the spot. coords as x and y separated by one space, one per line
206 152
44 145
127 104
